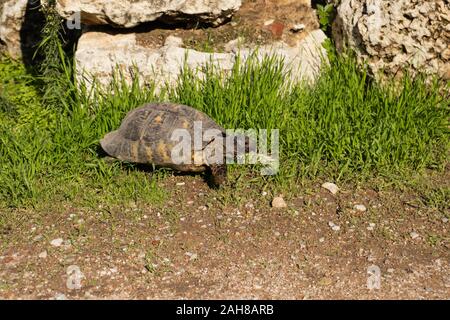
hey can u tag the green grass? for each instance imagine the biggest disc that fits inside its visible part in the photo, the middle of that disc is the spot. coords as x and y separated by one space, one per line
345 124
57 159
344 127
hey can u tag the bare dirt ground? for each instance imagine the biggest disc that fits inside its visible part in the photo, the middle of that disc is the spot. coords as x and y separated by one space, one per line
257 22
198 245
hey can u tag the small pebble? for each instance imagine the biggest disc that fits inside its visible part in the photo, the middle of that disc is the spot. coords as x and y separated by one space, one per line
360 207
249 205
74 277
330 187
322 239
57 242
278 202
444 220
333 226
269 22
298 27
371 226
192 256
38 238
60 296
43 254
180 183
414 235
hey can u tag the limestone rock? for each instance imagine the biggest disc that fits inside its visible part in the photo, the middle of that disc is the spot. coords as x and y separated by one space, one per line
330 187
20 26
159 54
100 54
278 202
11 18
130 13
392 35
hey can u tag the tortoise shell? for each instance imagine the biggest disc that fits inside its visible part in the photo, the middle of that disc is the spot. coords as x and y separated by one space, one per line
145 134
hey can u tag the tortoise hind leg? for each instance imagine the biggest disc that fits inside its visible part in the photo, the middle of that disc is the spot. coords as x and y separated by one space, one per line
218 174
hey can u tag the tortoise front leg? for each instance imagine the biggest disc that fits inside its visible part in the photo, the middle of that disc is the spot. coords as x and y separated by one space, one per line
218 174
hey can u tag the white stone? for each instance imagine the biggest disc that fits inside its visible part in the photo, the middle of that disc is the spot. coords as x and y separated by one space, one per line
360 207
130 13
298 27
192 256
57 242
371 226
100 54
278 202
330 187
38 238
60 296
414 235
43 254
74 277
333 226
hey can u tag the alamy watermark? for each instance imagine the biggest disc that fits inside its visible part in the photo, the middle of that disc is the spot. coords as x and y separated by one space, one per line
236 146
74 22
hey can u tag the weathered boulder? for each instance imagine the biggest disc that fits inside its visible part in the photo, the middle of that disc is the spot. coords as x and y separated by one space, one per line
99 55
12 13
130 13
20 26
395 35
286 28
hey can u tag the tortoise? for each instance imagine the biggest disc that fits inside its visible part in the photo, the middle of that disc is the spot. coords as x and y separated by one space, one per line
145 136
